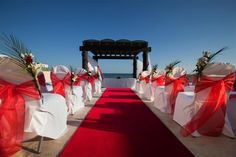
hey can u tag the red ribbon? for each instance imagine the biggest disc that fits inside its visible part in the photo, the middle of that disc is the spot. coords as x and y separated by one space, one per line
160 81
210 118
58 84
178 86
146 78
12 114
90 78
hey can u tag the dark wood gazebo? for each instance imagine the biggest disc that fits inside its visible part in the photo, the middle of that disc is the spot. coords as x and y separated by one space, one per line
119 49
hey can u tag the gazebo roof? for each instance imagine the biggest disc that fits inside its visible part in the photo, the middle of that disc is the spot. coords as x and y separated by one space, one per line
109 47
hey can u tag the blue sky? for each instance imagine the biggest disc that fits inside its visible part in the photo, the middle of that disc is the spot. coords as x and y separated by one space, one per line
175 29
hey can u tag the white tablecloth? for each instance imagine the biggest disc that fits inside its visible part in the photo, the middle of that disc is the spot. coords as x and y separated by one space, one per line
120 83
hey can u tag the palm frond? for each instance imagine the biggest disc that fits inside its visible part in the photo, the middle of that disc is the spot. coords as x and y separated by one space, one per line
155 66
175 62
21 56
212 56
14 46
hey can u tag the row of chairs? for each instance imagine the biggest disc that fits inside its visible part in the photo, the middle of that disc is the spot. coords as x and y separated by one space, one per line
202 107
25 114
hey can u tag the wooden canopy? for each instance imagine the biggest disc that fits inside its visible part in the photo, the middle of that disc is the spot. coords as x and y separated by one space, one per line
119 49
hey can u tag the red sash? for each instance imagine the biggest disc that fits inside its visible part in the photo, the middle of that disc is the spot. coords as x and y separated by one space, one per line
146 78
210 118
90 78
12 114
58 85
178 86
160 81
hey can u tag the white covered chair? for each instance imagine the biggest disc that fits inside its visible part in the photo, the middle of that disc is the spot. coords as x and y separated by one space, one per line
202 112
61 81
86 85
143 80
97 90
46 116
157 79
164 98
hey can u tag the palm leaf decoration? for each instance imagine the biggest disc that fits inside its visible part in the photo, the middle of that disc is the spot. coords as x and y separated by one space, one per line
169 67
154 67
204 61
21 56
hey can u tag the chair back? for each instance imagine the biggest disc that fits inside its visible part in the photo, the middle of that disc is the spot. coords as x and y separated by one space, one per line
211 95
17 92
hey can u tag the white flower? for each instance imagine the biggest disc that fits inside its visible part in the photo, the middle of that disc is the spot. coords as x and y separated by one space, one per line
31 55
22 55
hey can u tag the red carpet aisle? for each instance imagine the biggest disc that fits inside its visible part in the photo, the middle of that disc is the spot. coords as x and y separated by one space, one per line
120 125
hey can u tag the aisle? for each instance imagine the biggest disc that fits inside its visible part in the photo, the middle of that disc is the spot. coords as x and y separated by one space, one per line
120 125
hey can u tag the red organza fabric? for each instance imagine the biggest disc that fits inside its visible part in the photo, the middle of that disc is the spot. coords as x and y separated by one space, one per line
210 118
58 84
12 114
90 78
145 78
160 81
178 86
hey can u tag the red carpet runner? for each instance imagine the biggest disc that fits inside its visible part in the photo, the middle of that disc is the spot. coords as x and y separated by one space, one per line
120 125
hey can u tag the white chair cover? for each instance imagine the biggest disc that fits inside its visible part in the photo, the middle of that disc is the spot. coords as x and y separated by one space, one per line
162 96
188 103
47 119
98 82
141 84
150 88
86 86
74 96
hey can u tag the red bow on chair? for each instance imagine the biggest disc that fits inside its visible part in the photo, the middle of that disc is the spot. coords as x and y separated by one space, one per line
12 114
178 86
58 84
160 81
209 119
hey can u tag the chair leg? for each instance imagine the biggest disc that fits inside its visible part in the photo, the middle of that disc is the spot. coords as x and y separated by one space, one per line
40 144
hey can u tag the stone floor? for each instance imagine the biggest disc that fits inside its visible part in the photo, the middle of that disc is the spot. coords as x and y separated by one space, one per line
201 146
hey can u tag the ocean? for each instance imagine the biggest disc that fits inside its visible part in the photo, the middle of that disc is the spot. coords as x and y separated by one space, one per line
118 75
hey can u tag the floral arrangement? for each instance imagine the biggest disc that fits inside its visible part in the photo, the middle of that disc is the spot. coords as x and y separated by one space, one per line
23 57
154 68
169 68
204 61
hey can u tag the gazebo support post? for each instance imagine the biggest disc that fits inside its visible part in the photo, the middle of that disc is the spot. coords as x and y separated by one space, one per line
85 60
145 60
